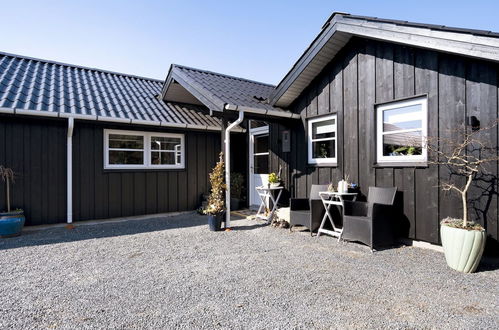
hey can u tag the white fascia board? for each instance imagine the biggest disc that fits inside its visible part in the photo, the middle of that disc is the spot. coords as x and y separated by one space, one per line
145 122
273 113
37 113
167 124
7 110
193 126
423 38
77 116
114 120
213 128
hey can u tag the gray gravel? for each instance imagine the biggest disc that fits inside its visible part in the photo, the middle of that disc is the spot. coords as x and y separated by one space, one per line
172 272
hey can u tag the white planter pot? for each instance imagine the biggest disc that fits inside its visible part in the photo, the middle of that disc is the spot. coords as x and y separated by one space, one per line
275 185
463 248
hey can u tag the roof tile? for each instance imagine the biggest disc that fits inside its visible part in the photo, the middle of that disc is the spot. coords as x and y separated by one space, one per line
40 85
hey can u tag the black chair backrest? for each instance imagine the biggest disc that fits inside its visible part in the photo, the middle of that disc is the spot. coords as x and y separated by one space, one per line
380 195
315 189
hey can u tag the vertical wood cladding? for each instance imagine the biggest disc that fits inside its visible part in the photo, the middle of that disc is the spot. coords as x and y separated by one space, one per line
100 193
368 72
36 149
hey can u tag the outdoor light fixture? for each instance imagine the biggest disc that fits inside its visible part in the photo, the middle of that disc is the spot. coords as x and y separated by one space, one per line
473 122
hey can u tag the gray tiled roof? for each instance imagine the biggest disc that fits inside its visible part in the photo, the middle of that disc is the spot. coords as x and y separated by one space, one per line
216 90
62 89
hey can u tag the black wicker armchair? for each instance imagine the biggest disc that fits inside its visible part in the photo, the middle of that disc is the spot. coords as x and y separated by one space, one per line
371 222
307 212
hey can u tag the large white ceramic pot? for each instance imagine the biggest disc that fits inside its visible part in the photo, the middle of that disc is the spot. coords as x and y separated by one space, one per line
463 248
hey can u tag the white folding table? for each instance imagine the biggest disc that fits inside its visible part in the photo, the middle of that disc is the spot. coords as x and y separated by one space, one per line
332 198
265 194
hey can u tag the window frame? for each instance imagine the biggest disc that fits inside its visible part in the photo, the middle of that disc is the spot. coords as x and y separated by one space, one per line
379 109
147 151
322 161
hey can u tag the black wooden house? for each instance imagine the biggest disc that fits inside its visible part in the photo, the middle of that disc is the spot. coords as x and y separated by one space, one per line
348 107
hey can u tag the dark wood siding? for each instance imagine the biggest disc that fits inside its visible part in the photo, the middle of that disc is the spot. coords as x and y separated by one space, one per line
36 149
100 193
368 72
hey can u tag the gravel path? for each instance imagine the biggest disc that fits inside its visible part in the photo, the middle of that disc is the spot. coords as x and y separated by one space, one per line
172 272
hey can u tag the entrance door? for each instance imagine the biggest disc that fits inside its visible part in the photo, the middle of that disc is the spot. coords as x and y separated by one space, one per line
259 162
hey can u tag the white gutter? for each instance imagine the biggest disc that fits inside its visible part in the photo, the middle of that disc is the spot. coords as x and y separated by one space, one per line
227 166
69 170
41 113
273 113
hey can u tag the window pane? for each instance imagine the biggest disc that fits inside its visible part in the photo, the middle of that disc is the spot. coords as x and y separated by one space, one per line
324 129
126 141
323 149
402 118
163 158
262 164
126 157
164 143
261 143
402 144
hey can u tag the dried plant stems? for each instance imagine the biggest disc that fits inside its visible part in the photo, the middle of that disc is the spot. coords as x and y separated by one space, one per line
464 156
7 175
217 195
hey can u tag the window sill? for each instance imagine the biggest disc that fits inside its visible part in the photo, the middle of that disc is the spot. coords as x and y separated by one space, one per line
323 165
141 170
401 165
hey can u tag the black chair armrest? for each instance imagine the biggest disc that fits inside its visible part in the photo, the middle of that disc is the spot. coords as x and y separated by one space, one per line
383 212
383 224
358 209
299 204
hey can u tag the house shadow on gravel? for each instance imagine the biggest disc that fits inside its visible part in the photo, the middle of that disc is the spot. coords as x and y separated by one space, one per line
102 229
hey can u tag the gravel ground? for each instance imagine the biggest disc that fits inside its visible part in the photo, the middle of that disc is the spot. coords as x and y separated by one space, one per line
174 273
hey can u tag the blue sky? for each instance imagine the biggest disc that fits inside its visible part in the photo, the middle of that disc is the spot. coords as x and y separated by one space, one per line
255 39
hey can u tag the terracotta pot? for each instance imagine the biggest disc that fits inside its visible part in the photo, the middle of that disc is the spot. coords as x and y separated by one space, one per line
463 248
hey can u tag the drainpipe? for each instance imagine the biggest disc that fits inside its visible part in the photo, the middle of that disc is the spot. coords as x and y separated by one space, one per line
69 169
227 166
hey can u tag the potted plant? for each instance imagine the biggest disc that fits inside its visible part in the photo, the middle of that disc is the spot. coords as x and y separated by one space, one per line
463 240
274 180
11 221
215 208
236 190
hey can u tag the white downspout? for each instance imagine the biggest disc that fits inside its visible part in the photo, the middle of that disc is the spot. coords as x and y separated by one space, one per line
227 166
69 169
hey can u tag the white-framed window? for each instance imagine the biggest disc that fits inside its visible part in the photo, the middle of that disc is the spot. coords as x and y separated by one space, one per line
322 140
143 150
401 130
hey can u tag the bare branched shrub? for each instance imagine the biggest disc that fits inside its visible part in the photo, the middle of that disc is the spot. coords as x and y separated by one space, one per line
465 155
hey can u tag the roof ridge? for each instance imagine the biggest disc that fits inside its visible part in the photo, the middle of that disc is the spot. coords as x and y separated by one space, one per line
222 75
79 66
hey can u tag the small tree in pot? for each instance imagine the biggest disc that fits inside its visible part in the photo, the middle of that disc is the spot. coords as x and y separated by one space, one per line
463 240
215 208
11 221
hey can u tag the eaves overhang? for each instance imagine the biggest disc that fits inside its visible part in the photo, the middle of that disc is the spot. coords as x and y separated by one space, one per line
340 28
